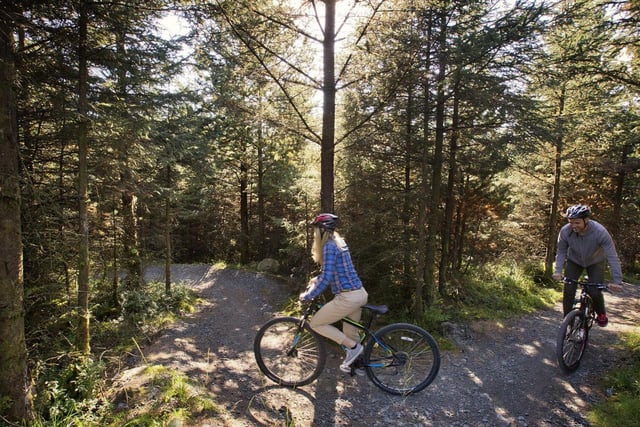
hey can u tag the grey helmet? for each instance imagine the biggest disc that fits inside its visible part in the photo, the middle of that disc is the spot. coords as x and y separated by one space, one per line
578 211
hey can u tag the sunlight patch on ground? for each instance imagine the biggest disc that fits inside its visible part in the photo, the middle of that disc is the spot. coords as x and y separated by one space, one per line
473 377
530 349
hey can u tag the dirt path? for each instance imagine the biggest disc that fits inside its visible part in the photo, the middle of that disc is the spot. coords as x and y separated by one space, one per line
503 374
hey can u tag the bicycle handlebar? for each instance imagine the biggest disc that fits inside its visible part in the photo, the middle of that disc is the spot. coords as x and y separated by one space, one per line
585 283
308 307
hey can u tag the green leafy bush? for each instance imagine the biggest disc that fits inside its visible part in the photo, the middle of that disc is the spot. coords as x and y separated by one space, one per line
138 306
66 390
67 385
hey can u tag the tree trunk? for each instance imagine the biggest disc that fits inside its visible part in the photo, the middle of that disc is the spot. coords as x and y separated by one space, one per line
83 338
618 190
260 190
167 235
436 176
450 198
421 225
244 213
329 110
553 214
13 351
131 254
408 196
116 259
131 251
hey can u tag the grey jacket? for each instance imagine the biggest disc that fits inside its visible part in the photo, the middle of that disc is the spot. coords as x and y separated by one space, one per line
590 247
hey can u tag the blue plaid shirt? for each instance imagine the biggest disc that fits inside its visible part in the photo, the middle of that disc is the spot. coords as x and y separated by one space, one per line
337 271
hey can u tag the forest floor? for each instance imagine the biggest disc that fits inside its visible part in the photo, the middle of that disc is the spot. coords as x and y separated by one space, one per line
503 373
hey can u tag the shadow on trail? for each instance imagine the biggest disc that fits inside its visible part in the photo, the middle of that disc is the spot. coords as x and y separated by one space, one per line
503 374
516 366
214 347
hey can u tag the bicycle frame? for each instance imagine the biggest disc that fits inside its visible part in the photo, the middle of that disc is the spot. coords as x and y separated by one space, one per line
399 358
314 306
573 335
585 303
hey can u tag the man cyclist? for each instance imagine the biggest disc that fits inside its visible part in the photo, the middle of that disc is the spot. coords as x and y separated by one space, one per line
585 244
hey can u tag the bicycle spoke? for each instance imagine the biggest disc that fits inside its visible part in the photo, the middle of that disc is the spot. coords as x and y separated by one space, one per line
287 354
405 361
572 340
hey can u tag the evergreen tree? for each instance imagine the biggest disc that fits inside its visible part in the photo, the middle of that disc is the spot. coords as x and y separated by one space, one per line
15 395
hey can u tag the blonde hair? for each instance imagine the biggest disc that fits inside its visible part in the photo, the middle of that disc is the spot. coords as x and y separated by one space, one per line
320 238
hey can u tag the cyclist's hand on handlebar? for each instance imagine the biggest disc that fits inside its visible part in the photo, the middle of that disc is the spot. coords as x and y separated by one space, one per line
616 287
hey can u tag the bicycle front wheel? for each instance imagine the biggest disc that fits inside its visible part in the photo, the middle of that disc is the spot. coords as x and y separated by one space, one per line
402 358
289 354
572 341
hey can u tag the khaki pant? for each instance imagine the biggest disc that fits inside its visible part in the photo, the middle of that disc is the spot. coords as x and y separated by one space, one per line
345 304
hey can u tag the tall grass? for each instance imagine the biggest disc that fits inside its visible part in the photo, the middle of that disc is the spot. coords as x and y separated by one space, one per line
622 408
500 291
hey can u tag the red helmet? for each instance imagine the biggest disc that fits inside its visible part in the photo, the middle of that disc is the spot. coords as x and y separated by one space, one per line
326 221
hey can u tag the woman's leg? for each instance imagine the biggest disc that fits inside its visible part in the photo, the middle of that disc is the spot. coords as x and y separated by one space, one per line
358 299
342 305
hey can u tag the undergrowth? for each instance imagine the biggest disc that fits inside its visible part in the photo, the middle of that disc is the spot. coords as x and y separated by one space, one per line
499 291
622 408
168 397
69 387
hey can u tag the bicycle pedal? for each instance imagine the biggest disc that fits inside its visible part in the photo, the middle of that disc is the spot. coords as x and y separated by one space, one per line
357 371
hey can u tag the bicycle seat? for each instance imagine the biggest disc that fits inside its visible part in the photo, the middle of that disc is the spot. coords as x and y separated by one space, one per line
378 309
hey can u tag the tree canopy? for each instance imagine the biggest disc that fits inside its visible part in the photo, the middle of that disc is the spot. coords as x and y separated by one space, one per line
446 135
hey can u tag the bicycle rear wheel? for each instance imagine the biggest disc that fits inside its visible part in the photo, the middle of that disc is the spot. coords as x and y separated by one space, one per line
288 354
572 341
402 358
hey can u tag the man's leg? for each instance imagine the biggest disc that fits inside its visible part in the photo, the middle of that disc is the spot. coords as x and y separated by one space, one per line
571 271
596 275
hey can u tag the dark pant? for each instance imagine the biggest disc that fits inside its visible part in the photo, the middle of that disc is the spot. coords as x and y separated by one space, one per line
595 274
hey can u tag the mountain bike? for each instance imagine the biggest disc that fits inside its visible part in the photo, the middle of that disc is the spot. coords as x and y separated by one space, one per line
573 335
399 358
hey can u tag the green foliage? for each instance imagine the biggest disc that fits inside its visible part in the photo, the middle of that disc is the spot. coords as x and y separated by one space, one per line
168 395
141 305
138 306
5 403
67 386
433 317
497 290
623 383
67 391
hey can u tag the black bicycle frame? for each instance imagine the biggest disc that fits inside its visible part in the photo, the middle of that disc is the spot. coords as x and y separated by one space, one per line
315 306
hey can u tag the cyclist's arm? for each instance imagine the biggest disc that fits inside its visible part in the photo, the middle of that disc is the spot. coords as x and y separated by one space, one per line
561 255
320 283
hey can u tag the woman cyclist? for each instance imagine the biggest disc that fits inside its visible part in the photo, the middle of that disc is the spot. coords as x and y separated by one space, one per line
331 252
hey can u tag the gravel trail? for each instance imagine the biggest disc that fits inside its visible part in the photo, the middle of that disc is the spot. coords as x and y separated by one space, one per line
502 374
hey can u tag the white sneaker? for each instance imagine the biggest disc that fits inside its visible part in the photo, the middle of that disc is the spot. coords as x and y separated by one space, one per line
352 355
